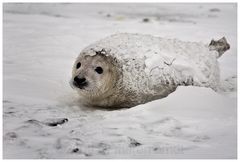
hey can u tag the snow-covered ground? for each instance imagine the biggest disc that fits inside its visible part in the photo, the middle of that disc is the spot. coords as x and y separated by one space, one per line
40 44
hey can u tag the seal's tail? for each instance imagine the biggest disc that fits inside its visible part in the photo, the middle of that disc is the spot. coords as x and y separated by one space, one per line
220 46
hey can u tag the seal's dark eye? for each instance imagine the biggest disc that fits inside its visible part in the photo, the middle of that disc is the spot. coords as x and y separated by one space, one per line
99 70
78 65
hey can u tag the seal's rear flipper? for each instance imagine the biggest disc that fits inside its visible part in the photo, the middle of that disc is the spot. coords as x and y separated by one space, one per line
220 46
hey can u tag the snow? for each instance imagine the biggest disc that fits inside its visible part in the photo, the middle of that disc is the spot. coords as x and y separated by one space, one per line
40 44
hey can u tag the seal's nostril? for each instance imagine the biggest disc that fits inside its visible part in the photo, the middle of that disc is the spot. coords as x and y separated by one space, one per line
82 80
76 79
79 80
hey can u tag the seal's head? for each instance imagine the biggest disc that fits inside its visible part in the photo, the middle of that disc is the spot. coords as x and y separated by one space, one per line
93 76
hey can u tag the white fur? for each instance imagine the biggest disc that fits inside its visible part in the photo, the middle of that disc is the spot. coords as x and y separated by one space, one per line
149 68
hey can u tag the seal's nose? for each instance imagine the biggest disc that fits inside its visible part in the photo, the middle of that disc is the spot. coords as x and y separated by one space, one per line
80 81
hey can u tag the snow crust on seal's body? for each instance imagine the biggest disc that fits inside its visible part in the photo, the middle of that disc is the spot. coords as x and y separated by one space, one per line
150 68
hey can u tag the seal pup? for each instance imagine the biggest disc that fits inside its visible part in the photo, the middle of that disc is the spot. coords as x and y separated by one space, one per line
125 70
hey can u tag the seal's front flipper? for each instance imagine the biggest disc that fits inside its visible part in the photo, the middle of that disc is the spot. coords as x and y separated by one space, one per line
220 46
